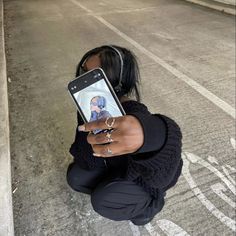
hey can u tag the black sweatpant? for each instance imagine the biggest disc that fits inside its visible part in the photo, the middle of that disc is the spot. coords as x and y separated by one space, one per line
113 197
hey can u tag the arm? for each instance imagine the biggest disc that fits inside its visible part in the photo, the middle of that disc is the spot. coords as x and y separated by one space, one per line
159 158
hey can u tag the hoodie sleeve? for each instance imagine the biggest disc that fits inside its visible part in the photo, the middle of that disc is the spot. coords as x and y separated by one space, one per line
159 159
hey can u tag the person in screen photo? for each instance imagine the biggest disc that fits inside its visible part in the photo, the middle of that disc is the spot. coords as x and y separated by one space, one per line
97 107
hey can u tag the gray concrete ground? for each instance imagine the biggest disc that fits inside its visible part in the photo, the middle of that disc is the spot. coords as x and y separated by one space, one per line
178 44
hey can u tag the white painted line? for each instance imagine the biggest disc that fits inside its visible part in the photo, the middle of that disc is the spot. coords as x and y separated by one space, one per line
134 229
219 189
213 160
125 11
193 84
187 157
232 141
227 174
81 6
6 213
151 230
196 159
171 229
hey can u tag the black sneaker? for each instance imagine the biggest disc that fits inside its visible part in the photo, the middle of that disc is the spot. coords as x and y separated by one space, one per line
142 221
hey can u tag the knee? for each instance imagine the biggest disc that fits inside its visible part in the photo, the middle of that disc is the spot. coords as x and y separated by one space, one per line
97 199
99 202
105 202
70 178
73 180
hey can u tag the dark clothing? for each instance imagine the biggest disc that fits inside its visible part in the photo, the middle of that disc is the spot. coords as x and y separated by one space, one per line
113 197
156 166
82 180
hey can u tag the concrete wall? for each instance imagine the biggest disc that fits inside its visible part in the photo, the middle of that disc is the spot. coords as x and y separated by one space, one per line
230 2
226 6
6 214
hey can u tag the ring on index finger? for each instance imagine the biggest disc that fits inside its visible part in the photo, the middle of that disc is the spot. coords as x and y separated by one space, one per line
110 124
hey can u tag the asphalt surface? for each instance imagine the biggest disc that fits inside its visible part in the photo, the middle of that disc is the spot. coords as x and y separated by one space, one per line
178 44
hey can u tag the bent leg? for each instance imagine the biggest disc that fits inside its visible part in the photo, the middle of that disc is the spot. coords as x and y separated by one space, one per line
124 200
82 180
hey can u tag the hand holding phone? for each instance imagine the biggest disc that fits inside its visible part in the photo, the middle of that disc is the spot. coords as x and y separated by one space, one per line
94 96
127 136
95 99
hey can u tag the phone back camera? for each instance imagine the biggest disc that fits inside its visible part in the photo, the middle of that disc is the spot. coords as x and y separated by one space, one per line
97 76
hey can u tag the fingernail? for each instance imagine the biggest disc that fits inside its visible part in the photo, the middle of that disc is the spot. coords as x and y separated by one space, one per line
81 128
97 155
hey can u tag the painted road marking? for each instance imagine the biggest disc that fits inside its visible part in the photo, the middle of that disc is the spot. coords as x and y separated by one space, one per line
171 229
219 189
134 229
151 230
189 157
193 84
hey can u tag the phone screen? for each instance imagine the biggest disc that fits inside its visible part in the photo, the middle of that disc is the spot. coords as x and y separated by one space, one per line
97 102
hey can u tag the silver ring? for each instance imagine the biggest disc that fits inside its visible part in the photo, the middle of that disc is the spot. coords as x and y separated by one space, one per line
110 126
109 151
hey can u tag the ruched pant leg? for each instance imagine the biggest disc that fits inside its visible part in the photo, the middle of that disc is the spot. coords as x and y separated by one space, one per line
82 180
119 199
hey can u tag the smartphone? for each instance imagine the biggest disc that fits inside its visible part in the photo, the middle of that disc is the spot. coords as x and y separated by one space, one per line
94 96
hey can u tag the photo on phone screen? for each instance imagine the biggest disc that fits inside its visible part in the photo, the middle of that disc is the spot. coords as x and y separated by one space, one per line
97 102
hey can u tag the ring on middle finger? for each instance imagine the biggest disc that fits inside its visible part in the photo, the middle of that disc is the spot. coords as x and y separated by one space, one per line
109 151
108 136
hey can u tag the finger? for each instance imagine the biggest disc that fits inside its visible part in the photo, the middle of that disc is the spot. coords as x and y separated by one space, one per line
104 137
100 124
106 150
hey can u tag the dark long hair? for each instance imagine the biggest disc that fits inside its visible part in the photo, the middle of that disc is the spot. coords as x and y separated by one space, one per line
111 64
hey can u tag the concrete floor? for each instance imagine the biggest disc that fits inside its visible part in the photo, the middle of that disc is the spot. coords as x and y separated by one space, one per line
176 42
